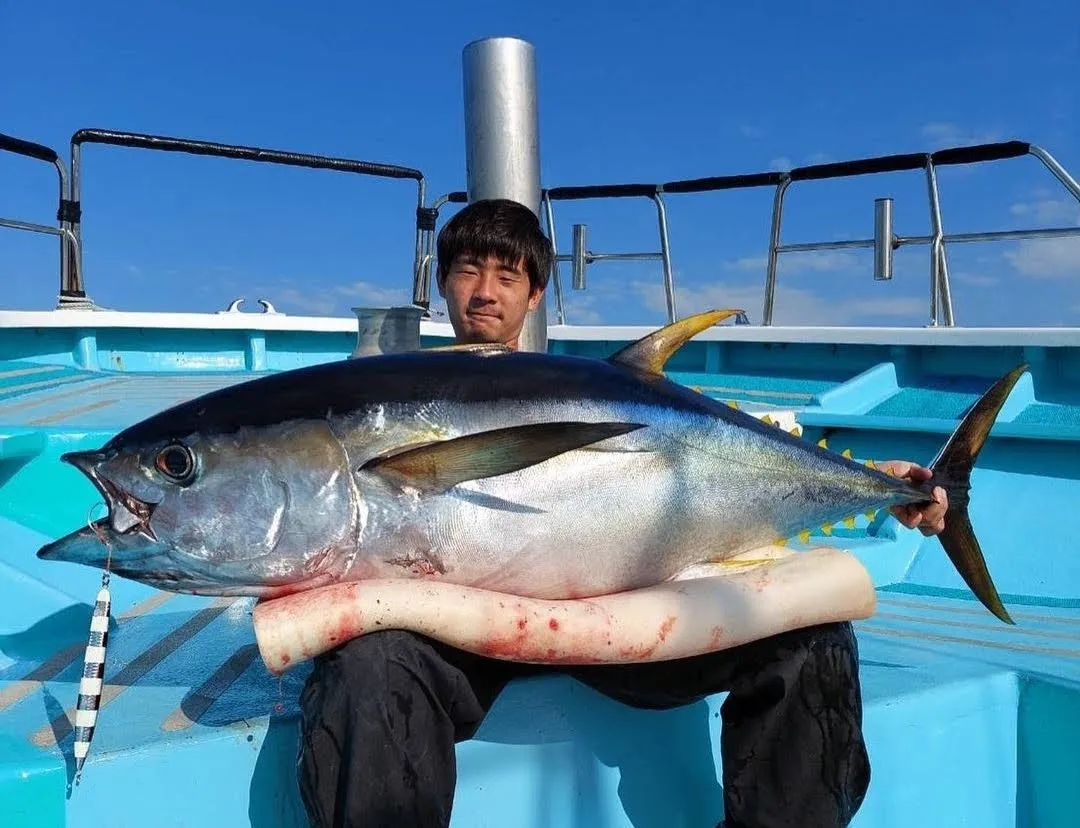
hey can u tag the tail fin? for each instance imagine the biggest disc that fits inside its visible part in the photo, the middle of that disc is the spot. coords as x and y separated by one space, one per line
952 471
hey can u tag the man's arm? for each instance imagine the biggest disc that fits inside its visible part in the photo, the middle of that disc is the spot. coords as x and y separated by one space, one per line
929 521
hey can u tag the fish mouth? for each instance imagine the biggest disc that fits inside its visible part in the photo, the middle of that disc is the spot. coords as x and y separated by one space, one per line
127 513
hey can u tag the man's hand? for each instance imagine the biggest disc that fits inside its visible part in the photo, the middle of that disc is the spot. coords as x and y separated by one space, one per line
930 520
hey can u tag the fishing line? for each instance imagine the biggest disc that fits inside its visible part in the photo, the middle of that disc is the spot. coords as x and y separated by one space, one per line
90 684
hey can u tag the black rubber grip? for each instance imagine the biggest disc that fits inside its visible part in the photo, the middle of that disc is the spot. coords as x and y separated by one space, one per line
860 166
724 182
294 159
18 146
601 191
982 152
458 197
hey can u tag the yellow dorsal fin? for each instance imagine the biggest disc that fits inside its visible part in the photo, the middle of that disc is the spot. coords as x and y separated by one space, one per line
823 443
651 352
846 453
804 536
849 522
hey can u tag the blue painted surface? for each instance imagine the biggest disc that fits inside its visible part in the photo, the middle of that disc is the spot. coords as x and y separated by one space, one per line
969 722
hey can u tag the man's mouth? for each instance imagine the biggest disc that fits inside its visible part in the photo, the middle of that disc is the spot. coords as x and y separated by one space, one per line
126 512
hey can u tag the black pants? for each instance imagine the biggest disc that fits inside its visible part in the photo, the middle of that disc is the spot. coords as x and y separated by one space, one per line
381 715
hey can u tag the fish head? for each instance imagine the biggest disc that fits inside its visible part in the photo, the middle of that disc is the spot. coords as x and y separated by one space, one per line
254 512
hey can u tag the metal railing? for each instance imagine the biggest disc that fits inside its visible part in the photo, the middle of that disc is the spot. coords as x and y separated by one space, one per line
884 241
72 283
69 243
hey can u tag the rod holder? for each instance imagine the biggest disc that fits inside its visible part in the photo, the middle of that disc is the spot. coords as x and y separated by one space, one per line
883 239
579 254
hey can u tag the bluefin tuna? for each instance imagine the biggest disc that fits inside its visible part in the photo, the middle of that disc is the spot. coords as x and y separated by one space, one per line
538 475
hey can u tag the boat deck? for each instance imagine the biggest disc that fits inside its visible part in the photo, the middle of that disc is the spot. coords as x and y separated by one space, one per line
991 712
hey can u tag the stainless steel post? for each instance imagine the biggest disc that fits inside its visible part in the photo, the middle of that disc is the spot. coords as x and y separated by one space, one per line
502 146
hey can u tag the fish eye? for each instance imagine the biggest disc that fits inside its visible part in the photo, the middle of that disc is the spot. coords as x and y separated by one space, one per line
176 462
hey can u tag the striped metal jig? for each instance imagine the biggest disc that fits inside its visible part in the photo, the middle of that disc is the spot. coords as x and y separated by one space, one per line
93 675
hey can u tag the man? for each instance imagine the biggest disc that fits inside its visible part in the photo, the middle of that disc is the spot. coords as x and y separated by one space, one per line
382 713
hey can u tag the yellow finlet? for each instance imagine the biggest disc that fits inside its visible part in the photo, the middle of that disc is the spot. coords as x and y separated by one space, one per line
870 463
871 514
846 453
767 419
823 443
804 536
780 542
826 528
795 431
849 522
733 404
651 352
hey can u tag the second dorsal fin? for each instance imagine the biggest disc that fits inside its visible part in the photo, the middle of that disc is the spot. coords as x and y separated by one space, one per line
650 353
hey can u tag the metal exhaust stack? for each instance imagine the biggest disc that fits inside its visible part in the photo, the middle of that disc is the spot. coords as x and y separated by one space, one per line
502 147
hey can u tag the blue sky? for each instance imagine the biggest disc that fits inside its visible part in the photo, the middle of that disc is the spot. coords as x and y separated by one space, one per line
629 91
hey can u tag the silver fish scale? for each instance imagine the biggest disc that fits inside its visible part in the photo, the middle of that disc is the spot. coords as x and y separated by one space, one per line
632 511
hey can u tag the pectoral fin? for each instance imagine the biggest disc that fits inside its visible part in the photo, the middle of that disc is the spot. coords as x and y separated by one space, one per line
651 353
435 467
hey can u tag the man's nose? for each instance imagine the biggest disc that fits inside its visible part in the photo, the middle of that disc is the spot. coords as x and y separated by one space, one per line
485 288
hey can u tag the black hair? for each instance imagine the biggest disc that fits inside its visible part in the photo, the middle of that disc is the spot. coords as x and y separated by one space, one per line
501 228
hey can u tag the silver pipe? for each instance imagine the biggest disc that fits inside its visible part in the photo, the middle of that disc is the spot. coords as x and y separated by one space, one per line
599 257
502 148
549 214
1059 171
418 254
665 255
939 269
18 224
883 239
79 280
949 238
774 244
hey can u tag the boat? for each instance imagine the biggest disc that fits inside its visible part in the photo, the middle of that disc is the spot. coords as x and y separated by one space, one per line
968 721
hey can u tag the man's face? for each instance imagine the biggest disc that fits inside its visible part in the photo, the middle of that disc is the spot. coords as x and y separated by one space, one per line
487 299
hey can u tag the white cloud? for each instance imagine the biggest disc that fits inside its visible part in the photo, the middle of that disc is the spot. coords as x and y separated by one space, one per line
948 134
781 164
974 279
1049 210
792 306
333 299
1054 258
810 261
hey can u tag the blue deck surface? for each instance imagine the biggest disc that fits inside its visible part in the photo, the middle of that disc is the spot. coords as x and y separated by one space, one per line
969 722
